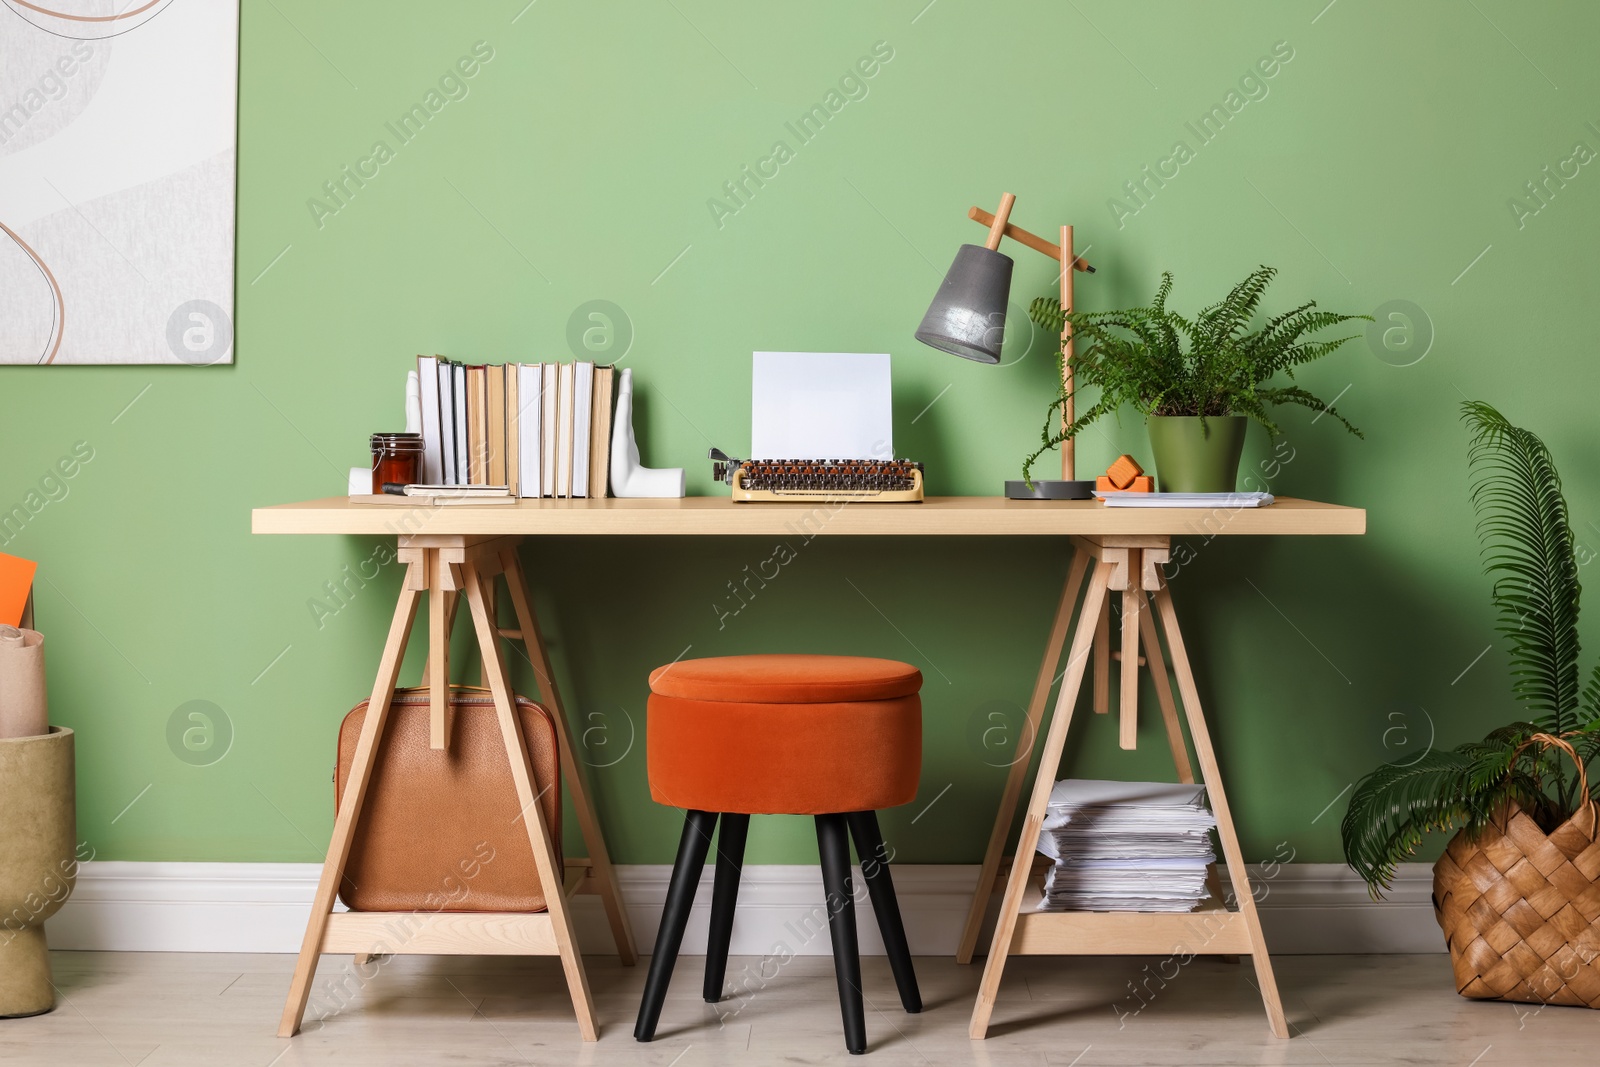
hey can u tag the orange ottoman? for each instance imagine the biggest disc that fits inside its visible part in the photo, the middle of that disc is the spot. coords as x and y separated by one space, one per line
835 737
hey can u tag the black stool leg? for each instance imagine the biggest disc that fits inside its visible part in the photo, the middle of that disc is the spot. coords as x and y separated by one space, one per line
697 828
724 895
833 843
875 869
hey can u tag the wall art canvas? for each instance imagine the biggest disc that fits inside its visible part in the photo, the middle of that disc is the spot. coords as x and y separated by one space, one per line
118 127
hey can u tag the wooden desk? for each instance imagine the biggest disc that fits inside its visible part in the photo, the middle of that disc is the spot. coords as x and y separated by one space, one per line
946 515
454 550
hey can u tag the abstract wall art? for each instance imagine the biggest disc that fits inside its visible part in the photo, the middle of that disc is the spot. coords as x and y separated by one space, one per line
118 124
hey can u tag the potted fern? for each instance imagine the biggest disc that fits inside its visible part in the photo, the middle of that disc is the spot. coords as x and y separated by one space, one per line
1197 382
1517 891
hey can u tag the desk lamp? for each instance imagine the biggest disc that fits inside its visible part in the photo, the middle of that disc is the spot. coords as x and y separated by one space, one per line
968 317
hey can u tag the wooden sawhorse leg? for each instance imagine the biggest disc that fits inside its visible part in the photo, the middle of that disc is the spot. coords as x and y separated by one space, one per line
602 878
598 876
1020 760
994 855
355 795
448 570
1127 564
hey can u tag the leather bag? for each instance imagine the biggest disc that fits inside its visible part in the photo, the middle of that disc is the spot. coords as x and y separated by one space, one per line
442 830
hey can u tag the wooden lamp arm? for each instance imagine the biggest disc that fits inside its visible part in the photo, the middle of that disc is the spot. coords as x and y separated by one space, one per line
997 222
1021 236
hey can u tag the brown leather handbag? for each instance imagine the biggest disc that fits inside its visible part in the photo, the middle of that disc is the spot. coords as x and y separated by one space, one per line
441 830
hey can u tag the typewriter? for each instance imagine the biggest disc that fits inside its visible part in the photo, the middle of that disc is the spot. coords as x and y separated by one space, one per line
896 481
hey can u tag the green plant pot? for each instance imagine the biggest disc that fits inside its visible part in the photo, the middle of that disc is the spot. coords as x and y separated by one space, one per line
1191 458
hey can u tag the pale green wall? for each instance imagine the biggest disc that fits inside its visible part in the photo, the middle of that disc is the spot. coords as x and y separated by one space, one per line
1377 168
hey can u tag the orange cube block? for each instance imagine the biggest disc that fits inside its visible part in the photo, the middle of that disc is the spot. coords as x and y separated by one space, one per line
1122 473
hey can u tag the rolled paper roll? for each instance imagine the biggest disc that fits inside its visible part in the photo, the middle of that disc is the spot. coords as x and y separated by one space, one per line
23 712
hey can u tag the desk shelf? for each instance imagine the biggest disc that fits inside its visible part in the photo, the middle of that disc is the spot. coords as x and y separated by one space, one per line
1210 929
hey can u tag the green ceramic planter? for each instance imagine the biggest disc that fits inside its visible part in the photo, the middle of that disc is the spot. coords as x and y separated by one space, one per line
1195 459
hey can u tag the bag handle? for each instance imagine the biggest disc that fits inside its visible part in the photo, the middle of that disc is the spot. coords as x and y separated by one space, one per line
1545 740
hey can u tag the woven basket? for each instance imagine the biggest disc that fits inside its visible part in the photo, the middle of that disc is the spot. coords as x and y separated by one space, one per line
1521 909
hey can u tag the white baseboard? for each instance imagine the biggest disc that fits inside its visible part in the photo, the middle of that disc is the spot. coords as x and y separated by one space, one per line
262 907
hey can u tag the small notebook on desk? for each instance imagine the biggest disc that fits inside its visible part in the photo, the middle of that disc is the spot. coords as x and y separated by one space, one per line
1185 500
439 496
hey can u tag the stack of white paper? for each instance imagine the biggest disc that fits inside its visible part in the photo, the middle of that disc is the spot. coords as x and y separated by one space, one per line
1126 846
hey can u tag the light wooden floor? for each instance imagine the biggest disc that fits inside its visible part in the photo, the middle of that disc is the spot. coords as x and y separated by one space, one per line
155 1009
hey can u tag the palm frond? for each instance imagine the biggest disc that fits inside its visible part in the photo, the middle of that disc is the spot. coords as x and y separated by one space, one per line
1528 549
1396 806
1527 544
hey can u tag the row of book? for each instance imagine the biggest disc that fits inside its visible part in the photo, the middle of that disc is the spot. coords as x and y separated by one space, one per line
541 429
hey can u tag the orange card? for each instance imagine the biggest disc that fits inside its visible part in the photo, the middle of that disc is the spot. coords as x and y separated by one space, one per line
16 582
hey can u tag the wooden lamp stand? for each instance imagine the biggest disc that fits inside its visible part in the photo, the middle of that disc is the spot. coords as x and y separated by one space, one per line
1069 487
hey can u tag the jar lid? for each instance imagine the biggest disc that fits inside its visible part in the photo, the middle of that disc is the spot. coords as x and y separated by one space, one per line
382 439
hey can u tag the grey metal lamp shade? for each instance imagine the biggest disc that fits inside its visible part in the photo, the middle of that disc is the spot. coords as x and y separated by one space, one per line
968 315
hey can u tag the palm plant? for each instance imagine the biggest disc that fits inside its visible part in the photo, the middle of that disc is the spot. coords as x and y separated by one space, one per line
1162 363
1528 551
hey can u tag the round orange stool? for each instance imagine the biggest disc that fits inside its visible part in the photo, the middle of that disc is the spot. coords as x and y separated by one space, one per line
835 737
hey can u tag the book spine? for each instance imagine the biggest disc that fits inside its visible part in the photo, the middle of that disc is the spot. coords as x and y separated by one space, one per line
582 430
600 421
564 395
477 426
513 444
530 387
548 428
494 419
458 374
428 390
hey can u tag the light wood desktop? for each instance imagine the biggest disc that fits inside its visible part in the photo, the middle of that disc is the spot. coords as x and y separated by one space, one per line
940 515
457 550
